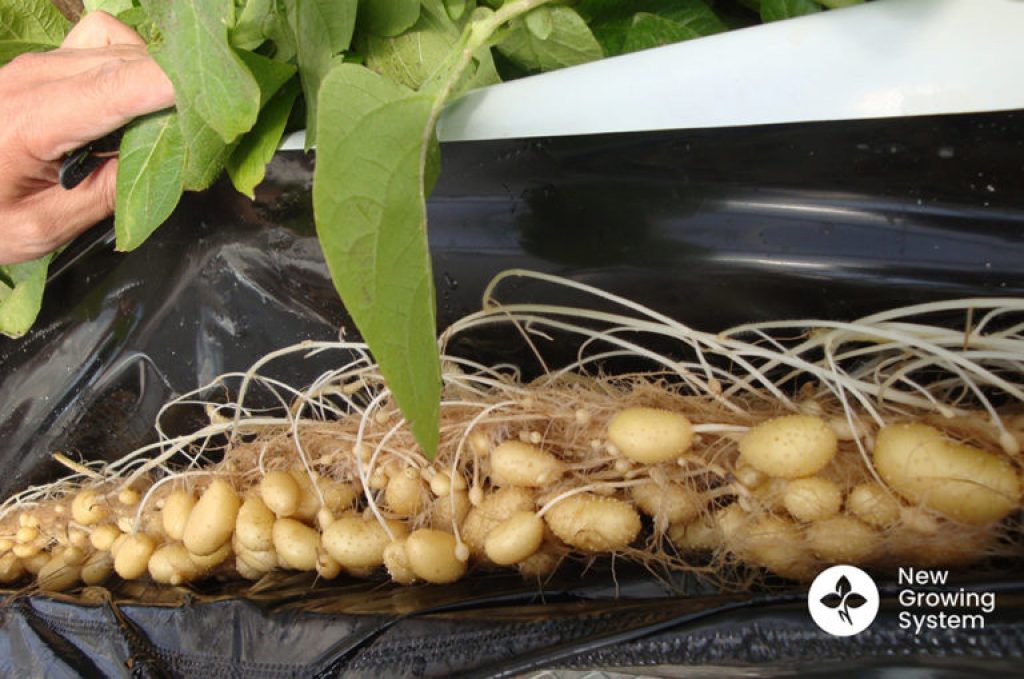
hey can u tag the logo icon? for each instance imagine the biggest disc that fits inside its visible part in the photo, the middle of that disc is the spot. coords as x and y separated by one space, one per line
843 600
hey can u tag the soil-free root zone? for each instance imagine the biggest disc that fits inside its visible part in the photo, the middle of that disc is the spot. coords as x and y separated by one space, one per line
772 447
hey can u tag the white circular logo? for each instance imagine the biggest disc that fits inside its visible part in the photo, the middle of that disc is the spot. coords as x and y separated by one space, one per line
843 600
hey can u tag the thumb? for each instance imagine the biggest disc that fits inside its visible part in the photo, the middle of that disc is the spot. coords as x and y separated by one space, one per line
61 214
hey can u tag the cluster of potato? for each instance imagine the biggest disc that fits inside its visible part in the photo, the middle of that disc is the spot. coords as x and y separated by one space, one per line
799 507
787 495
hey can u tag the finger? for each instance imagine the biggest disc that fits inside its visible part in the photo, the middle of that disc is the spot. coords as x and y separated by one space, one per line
85 107
99 29
55 216
34 68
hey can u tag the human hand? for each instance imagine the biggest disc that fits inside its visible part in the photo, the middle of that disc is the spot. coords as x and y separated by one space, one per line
53 102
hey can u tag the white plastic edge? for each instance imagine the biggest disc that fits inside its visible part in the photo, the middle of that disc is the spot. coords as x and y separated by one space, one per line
882 59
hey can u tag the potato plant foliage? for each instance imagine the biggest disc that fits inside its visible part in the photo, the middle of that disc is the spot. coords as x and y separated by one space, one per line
368 79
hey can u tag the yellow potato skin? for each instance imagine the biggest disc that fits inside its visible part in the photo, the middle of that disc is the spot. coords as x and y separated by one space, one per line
593 523
212 521
650 435
431 555
962 482
790 446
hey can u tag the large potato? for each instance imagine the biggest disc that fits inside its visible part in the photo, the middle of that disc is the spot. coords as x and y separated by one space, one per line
966 484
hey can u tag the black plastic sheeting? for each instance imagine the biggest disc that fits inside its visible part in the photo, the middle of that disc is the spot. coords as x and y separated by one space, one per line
714 227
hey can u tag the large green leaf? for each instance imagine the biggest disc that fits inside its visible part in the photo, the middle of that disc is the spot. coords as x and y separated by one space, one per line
149 177
33 21
322 29
206 152
651 30
368 199
21 294
613 20
112 7
388 17
249 31
248 162
419 53
568 42
776 10
210 80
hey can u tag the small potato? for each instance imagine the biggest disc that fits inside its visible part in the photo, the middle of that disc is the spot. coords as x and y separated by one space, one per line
870 503
593 523
514 463
397 563
326 567
790 446
133 555
296 544
88 508
671 502
514 539
441 510
58 575
776 544
97 568
699 536
174 516
842 539
246 571
309 500
212 521
27 550
337 496
171 565
650 435
261 560
280 492
102 537
207 562
11 568
431 555
405 494
254 525
359 543
540 564
964 483
812 499
33 564
494 509
74 556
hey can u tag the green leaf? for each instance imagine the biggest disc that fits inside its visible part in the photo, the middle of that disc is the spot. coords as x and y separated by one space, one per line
112 7
651 30
540 22
248 31
270 75
21 294
278 30
455 8
247 164
417 55
388 17
368 199
612 20
210 80
12 48
138 19
839 4
205 150
34 21
776 10
149 177
322 29
570 42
